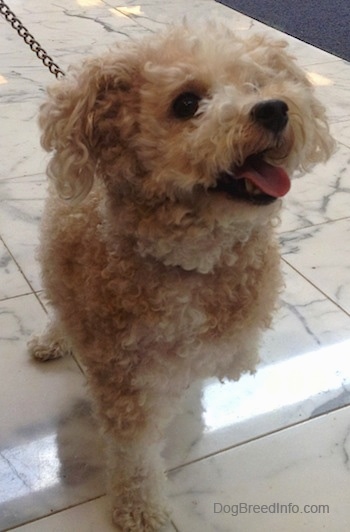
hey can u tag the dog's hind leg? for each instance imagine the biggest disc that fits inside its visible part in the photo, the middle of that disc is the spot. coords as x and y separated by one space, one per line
51 344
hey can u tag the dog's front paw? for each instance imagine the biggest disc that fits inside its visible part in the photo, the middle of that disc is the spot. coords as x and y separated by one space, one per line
41 349
150 518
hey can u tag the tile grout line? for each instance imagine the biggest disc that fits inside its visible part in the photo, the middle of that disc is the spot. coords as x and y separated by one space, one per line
17 296
33 292
340 141
53 513
23 176
254 439
57 512
347 313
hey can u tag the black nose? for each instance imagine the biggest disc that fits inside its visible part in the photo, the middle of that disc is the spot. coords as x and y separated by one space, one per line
272 114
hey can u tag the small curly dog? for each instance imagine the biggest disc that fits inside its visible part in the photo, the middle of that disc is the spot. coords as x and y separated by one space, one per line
158 252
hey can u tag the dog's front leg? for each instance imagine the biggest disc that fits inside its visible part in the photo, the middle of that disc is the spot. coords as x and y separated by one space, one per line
132 422
136 485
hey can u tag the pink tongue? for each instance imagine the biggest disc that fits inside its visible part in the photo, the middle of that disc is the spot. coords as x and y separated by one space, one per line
272 180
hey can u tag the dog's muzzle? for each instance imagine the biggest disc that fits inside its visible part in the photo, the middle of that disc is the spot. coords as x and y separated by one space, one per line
256 180
272 114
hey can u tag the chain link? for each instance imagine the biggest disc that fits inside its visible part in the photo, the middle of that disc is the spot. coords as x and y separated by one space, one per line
30 40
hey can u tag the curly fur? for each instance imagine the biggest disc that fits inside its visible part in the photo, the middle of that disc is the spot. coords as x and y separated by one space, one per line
155 279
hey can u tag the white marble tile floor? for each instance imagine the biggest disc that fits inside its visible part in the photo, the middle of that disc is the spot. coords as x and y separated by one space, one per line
269 453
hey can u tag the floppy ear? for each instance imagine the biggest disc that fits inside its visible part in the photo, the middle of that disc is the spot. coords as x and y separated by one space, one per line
83 117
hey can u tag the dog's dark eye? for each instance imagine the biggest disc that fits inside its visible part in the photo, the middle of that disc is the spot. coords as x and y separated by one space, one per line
186 105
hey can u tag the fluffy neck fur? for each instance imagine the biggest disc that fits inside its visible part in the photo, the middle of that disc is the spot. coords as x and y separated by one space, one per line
192 234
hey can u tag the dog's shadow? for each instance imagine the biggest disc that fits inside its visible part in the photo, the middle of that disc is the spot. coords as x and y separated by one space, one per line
62 459
80 447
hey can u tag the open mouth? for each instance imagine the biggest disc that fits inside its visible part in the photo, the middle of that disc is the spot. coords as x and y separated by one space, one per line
255 181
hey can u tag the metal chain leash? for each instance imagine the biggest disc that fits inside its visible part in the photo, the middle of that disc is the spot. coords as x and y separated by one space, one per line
30 40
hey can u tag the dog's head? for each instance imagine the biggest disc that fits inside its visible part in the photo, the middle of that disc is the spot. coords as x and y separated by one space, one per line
197 118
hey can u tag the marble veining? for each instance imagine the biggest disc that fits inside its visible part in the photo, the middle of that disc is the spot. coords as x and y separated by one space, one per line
319 196
317 252
308 476
279 436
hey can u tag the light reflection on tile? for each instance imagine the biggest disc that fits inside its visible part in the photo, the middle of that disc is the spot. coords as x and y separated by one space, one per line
317 80
221 415
288 383
30 475
50 453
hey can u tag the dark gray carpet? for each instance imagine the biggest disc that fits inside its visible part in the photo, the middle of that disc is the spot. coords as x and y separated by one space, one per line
322 23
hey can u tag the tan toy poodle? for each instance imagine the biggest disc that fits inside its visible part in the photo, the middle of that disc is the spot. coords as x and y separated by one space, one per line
158 252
